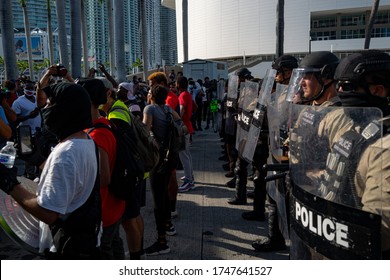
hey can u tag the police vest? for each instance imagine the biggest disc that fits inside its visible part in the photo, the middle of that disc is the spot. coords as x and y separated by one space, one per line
338 180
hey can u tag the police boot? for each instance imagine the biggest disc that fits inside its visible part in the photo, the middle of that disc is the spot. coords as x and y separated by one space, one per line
232 183
258 213
275 240
241 180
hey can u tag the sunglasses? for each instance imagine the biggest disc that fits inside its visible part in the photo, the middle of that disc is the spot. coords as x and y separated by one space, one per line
351 86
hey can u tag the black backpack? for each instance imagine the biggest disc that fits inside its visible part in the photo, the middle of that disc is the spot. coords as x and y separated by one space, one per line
145 144
128 169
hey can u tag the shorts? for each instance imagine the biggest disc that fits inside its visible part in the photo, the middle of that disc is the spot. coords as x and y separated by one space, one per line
135 202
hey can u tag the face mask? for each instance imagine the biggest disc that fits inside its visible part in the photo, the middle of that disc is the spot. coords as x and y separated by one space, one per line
29 92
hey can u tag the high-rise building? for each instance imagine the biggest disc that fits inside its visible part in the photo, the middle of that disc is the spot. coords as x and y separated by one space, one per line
168 33
161 23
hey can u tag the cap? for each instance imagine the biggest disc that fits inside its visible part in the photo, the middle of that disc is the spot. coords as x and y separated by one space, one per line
129 87
355 65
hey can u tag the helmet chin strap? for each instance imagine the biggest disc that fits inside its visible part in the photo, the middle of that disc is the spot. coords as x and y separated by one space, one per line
318 95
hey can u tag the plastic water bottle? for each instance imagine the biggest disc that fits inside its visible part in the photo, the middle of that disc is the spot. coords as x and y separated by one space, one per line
7 155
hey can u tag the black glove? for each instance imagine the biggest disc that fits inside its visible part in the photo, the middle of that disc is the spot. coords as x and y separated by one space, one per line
8 179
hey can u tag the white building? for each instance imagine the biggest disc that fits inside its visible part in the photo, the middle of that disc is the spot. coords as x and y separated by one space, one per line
225 29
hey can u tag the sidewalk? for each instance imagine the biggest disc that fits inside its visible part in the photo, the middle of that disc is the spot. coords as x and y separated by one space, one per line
208 228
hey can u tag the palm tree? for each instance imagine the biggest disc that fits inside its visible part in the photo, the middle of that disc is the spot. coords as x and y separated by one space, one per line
144 38
185 29
28 39
62 37
7 30
374 11
84 39
111 35
50 32
119 40
75 24
280 28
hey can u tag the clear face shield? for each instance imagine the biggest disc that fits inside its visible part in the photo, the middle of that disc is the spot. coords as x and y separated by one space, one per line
305 85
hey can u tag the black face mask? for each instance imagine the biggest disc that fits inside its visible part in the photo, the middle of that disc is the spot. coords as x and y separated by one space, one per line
353 99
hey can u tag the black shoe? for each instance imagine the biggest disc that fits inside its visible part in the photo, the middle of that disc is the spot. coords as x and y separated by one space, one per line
250 195
157 249
200 129
266 244
236 201
226 166
224 158
231 184
252 216
207 127
230 174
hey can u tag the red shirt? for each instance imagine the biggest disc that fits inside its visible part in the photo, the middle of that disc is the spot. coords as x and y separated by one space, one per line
185 100
112 207
172 100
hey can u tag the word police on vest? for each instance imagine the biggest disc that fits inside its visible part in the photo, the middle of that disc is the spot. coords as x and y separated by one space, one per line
322 226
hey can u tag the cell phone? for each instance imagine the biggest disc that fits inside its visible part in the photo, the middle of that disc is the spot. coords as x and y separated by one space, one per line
24 139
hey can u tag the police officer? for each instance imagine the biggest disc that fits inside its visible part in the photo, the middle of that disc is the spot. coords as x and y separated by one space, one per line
230 141
364 81
284 66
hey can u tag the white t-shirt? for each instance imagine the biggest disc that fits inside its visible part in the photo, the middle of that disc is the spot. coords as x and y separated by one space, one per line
22 106
66 181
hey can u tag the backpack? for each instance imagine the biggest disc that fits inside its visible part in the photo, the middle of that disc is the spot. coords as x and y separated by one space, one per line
177 131
145 143
128 169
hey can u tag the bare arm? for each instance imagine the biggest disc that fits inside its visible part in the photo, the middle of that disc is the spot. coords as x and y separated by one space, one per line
9 112
44 82
29 202
148 120
5 130
105 175
108 76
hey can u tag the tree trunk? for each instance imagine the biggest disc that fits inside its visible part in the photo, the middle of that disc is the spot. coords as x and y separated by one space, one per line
144 36
28 41
50 33
185 29
62 36
7 30
111 41
84 39
119 40
75 25
370 25
280 28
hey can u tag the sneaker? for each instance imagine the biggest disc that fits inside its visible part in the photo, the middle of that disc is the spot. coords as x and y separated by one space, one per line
184 179
170 230
174 214
186 186
157 249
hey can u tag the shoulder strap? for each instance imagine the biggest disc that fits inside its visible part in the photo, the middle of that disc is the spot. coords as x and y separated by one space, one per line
99 125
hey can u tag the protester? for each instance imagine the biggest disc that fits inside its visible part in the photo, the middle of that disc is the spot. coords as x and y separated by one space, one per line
68 192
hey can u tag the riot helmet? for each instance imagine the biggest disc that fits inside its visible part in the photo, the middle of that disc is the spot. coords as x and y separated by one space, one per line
281 65
244 73
353 69
358 76
309 79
